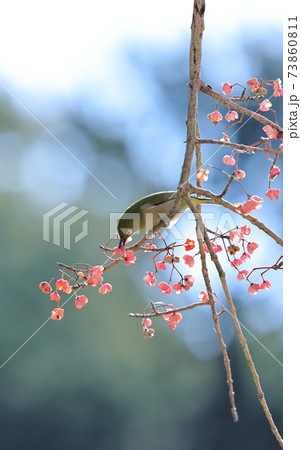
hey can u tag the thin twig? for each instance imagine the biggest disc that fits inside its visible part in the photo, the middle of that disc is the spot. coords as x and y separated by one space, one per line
225 190
145 249
219 201
244 148
242 110
156 313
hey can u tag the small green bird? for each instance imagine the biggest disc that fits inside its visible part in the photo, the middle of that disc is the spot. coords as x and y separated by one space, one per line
147 212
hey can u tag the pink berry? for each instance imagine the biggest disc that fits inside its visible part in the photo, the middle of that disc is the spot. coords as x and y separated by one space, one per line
236 235
129 257
227 88
203 296
97 271
202 175
150 279
215 117
105 288
168 259
242 275
245 230
273 194
228 159
62 285
236 262
165 288
253 288
94 280
231 115
119 250
252 246
265 105
253 83
270 131
266 285
55 296
189 244
57 314
189 260
174 319
188 281
80 301
240 174
45 287
274 171
245 256
179 288
147 322
150 246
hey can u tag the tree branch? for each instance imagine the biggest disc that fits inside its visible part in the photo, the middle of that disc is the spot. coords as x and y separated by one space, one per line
233 105
157 313
195 57
244 148
219 201
242 339
215 317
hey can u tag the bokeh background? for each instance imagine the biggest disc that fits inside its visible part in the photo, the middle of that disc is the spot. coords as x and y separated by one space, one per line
109 81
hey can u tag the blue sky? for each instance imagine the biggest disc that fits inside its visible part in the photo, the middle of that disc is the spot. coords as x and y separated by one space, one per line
60 47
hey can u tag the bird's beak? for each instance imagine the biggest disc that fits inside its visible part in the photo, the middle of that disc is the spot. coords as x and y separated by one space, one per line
122 242
127 238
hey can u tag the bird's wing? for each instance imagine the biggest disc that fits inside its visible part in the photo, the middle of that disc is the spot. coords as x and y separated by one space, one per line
152 199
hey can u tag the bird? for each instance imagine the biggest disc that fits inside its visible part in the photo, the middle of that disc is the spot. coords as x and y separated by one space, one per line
147 212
